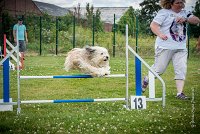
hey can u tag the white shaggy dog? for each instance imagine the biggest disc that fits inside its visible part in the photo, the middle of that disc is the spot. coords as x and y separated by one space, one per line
92 60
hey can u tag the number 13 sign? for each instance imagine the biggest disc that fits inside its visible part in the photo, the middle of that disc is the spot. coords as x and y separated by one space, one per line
138 102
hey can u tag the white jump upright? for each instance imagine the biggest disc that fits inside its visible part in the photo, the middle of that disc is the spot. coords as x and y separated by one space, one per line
7 65
152 74
6 103
151 85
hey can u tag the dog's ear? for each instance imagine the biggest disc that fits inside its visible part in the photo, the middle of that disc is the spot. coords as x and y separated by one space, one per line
90 49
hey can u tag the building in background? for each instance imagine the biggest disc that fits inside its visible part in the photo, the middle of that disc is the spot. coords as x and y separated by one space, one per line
18 8
10 10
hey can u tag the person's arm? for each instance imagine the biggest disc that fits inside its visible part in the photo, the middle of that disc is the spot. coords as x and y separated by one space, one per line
26 36
155 28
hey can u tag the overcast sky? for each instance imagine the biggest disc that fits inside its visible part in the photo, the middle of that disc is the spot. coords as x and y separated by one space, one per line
105 3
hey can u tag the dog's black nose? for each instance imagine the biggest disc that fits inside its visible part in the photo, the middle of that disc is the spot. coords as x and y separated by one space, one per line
106 58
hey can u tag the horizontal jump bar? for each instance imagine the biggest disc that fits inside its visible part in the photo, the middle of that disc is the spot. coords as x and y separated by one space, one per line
74 101
153 99
64 101
70 76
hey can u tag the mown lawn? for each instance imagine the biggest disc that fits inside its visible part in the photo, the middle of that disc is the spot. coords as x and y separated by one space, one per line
104 117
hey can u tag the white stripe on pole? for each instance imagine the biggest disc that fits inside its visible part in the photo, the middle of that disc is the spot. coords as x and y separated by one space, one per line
151 85
127 64
36 77
154 99
18 75
36 101
110 99
115 75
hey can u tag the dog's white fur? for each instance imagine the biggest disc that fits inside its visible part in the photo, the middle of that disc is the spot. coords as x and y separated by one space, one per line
93 60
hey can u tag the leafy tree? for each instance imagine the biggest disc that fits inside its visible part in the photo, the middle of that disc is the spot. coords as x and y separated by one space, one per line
149 9
195 30
128 18
77 12
98 22
196 11
65 22
89 14
97 18
7 25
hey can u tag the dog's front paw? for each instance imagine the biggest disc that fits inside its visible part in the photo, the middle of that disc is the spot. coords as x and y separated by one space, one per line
98 73
102 72
107 72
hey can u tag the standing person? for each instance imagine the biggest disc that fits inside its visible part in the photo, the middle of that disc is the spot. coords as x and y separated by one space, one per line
170 27
22 37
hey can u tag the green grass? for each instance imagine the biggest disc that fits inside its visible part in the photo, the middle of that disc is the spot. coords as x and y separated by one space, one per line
106 117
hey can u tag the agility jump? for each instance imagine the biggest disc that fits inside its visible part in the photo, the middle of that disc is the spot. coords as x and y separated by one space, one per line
125 99
7 65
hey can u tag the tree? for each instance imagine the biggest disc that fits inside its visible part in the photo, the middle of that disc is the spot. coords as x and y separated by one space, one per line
77 12
128 18
196 11
97 18
89 14
98 22
195 30
149 9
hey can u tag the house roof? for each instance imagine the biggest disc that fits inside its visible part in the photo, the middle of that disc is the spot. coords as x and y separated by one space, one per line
51 9
107 13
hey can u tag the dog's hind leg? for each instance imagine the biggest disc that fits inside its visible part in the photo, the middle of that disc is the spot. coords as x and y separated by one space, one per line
68 65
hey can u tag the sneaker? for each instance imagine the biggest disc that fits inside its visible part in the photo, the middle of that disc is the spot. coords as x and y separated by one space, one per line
182 96
145 83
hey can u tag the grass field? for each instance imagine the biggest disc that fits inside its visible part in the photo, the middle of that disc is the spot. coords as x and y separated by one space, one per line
105 117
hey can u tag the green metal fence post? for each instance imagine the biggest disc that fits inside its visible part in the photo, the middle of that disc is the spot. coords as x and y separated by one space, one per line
74 22
136 33
40 35
188 40
93 30
114 28
56 35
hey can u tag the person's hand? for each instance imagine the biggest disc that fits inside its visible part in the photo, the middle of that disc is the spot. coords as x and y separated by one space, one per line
27 41
163 36
180 20
15 40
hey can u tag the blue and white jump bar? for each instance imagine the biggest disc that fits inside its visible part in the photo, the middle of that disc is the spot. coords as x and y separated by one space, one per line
70 76
66 101
73 100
